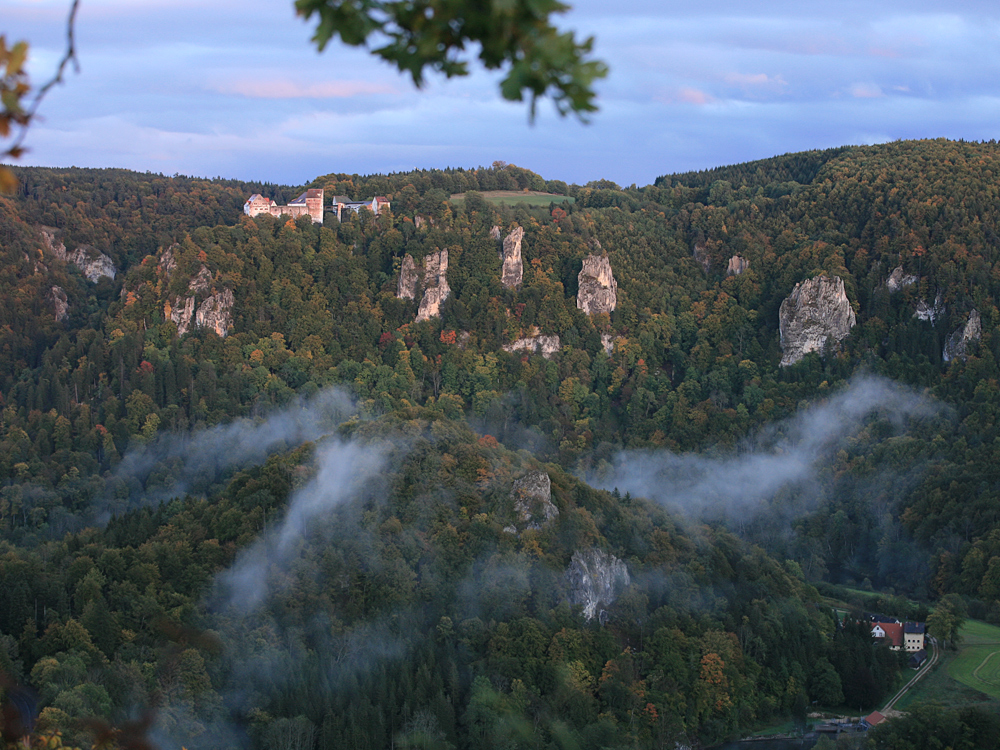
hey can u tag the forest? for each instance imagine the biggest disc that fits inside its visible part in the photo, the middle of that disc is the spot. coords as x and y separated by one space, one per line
306 533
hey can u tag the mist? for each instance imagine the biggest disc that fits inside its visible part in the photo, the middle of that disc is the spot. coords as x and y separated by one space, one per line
345 471
193 461
785 458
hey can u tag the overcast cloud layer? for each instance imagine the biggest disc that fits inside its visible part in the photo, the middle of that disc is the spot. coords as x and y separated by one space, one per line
221 88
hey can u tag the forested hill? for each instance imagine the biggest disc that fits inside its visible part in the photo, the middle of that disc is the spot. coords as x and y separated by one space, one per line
107 383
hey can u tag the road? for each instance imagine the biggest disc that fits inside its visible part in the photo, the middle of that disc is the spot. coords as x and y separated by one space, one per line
928 665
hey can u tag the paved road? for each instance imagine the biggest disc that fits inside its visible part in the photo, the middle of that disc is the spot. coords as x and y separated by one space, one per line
928 665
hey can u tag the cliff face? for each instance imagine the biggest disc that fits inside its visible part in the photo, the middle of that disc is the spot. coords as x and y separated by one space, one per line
92 262
532 497
408 279
60 303
817 310
956 346
513 270
925 311
899 279
216 312
595 580
436 289
182 313
537 343
598 291
737 265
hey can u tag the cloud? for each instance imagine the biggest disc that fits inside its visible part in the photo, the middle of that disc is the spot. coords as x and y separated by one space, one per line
285 89
789 456
755 79
866 91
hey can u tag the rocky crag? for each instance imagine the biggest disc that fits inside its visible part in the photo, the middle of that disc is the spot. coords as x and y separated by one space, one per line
956 346
899 279
435 282
595 580
215 310
60 303
532 499
598 290
535 343
409 279
925 311
512 271
737 265
93 264
815 312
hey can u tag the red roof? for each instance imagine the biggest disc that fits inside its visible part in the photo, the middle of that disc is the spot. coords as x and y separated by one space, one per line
893 631
874 718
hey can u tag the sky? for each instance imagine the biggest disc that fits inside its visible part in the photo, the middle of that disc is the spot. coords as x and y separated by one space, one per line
234 89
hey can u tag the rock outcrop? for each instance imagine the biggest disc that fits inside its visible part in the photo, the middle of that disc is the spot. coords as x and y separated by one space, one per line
92 262
816 311
168 264
536 343
495 232
608 342
182 313
899 279
925 311
409 278
60 303
513 270
737 265
532 497
436 289
216 312
598 292
202 281
595 580
956 346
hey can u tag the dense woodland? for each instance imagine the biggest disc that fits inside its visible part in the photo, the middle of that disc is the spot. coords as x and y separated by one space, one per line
406 614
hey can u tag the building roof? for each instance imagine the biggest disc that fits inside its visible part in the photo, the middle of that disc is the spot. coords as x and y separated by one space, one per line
893 632
883 618
914 627
874 718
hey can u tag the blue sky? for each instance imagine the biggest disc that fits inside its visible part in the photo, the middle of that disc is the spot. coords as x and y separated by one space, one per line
235 89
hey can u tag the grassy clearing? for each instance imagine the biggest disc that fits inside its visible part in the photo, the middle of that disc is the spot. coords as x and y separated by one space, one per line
938 685
513 197
977 663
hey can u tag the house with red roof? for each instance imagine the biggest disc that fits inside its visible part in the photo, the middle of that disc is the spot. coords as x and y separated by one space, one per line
890 633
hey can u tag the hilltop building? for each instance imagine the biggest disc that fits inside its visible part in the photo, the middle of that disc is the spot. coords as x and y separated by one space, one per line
342 203
310 202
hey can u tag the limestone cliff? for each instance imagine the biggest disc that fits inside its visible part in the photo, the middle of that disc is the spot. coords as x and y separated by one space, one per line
532 497
598 292
536 343
202 281
436 289
60 303
408 279
816 311
956 346
899 279
513 270
737 265
595 580
216 312
495 232
168 264
92 262
182 313
925 311
608 342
